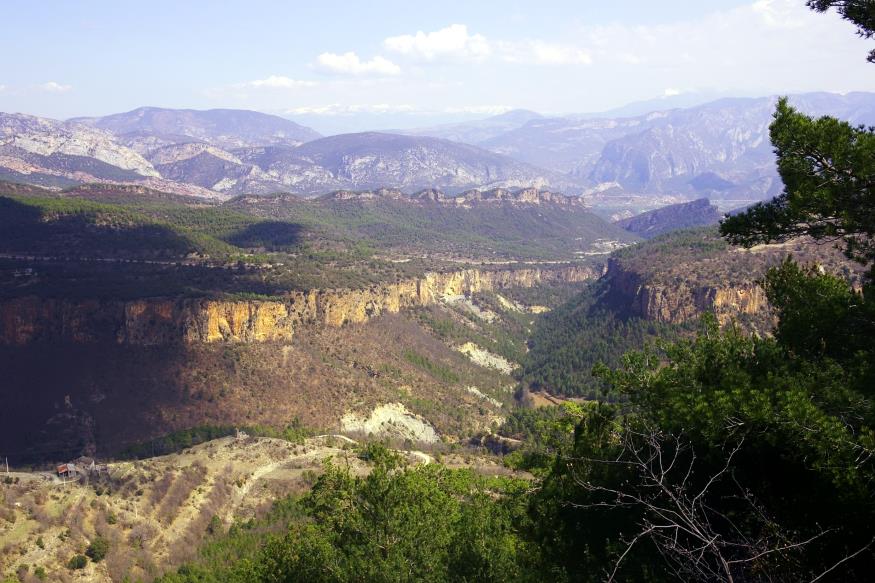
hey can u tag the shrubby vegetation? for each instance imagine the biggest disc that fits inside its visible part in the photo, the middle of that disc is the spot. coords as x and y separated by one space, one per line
398 523
439 371
185 438
77 562
505 337
176 441
169 248
97 549
121 244
543 433
490 231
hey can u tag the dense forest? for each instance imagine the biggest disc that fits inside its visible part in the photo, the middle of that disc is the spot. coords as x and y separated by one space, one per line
566 344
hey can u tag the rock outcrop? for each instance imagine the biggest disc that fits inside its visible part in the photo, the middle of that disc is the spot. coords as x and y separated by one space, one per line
163 321
42 138
467 199
683 302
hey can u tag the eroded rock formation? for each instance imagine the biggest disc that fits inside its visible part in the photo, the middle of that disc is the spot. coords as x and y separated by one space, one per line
684 302
160 321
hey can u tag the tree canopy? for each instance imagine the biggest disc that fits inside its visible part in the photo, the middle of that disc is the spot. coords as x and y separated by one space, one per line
828 170
860 12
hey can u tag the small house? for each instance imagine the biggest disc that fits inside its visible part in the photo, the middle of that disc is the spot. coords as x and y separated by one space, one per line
68 470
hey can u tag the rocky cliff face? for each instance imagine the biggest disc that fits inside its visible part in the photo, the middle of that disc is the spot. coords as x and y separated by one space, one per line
677 304
162 321
45 137
467 199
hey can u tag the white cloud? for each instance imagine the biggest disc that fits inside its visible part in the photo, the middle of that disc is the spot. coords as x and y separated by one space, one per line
747 50
349 63
480 109
55 87
340 109
778 13
536 52
337 109
455 42
277 82
671 92
452 41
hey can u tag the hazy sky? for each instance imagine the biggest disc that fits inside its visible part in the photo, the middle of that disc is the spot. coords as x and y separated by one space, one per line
66 58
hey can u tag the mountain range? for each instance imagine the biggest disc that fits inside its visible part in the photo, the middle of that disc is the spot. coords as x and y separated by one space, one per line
224 152
719 150
145 127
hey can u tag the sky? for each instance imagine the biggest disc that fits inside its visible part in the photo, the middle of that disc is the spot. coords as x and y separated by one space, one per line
395 63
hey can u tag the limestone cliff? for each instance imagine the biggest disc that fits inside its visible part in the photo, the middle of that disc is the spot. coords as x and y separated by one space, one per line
161 321
467 199
683 302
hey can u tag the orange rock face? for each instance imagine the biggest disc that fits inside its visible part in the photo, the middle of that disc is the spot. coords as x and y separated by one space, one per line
158 321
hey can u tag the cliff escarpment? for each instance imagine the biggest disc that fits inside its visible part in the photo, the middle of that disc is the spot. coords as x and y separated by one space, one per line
675 278
684 301
162 321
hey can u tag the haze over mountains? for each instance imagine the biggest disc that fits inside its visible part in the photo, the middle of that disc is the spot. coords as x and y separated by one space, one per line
718 150
225 128
685 215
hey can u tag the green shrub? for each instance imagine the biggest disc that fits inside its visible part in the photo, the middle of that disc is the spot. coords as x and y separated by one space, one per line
98 548
439 371
77 562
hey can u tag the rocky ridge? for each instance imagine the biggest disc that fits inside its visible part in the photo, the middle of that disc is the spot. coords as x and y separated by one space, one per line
51 153
223 153
679 277
44 137
520 196
225 128
719 149
162 321
685 302
698 213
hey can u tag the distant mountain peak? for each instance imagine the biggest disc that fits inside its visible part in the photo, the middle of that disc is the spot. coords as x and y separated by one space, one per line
226 128
517 115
